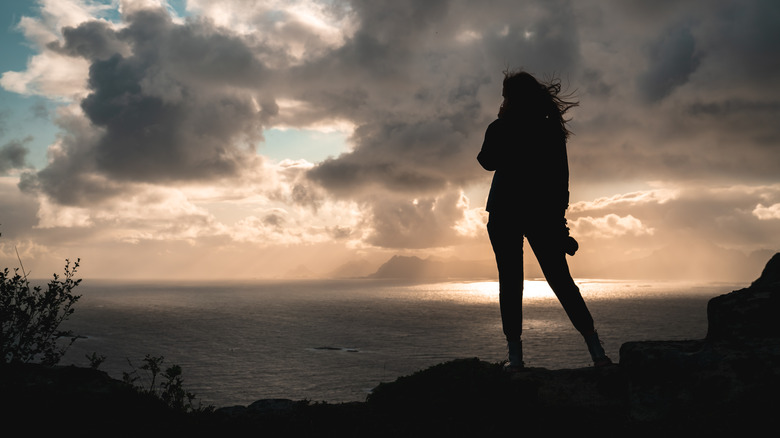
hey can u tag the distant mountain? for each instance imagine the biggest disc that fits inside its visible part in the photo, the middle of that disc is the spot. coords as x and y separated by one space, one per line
353 269
413 267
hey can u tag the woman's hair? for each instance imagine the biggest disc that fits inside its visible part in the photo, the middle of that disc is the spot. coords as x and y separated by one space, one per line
530 97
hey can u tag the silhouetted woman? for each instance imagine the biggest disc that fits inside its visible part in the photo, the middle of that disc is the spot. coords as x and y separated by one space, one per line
526 147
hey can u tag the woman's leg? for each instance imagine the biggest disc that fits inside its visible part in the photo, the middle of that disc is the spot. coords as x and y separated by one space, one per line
506 237
552 260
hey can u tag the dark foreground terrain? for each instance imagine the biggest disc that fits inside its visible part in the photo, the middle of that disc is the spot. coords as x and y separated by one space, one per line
727 383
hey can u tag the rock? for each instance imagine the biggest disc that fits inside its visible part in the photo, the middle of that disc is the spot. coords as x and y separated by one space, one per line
729 379
749 312
260 407
82 401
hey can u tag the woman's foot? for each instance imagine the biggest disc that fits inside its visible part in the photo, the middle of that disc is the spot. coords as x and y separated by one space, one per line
596 350
515 353
513 369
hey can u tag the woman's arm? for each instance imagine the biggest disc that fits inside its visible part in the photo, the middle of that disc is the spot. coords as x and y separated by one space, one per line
493 147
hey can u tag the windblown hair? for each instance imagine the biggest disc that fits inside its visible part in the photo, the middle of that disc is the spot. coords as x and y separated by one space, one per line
531 97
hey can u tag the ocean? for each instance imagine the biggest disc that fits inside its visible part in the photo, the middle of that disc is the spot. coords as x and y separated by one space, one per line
335 340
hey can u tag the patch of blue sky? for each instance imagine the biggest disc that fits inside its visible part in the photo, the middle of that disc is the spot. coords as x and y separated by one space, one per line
307 144
28 120
13 46
111 10
179 7
22 118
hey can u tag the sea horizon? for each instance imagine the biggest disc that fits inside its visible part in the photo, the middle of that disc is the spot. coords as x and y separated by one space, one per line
336 340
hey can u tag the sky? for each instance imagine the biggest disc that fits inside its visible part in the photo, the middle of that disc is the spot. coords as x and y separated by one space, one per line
238 139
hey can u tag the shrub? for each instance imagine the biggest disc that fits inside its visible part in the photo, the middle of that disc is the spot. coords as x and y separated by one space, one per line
30 317
170 389
95 360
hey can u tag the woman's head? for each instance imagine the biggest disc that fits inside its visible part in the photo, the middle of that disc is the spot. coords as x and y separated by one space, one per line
522 90
527 97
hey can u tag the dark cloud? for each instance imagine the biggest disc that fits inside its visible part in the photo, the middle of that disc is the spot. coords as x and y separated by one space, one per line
156 112
71 177
544 42
407 157
151 138
696 103
740 40
421 115
39 110
90 40
672 59
13 155
4 121
274 220
196 52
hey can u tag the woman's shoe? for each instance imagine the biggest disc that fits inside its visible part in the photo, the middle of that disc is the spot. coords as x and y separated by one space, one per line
596 350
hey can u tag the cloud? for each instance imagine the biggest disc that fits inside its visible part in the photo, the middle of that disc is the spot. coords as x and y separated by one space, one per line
421 223
290 32
151 114
18 210
609 226
735 217
38 79
13 155
623 135
160 110
410 157
90 40
396 70
672 59
767 213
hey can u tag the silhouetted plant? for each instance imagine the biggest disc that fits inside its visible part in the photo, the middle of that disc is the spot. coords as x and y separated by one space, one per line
95 360
170 389
30 317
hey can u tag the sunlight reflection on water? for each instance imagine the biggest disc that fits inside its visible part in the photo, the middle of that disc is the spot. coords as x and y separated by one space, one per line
535 290
479 292
241 342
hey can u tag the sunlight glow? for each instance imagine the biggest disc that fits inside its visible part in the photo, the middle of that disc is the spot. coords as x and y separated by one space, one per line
468 36
537 289
531 289
487 291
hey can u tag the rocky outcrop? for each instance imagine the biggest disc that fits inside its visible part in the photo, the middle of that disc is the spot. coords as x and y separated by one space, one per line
730 378
37 400
724 384
750 313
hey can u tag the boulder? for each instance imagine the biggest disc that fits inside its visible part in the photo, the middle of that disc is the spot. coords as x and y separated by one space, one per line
728 379
751 312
